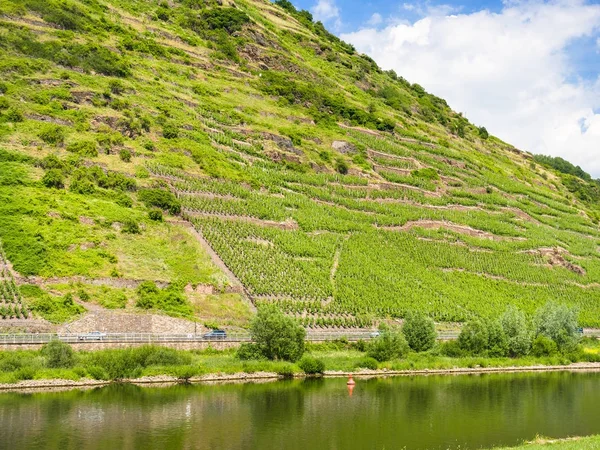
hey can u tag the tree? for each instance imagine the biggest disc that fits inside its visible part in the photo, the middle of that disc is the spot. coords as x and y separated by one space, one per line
419 331
474 337
390 344
497 341
58 354
276 335
559 323
517 331
483 133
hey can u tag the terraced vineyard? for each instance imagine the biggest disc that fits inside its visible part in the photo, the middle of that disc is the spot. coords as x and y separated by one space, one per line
340 191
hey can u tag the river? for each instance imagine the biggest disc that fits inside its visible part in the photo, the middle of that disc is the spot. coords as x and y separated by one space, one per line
421 412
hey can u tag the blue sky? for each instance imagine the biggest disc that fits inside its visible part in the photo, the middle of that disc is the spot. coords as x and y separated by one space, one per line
528 70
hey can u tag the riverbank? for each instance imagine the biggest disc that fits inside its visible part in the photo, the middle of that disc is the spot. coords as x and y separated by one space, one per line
257 377
574 443
63 368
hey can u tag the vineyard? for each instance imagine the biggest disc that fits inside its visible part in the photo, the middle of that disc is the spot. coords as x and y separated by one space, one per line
11 305
339 191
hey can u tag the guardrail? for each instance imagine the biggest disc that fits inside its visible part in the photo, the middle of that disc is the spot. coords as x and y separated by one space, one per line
151 338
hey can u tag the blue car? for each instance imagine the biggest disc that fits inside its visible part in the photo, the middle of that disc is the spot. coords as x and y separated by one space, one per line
215 334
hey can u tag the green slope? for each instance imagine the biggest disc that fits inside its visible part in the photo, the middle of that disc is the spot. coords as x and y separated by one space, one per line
341 191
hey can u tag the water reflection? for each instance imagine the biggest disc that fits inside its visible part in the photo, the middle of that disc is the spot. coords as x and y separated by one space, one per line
416 412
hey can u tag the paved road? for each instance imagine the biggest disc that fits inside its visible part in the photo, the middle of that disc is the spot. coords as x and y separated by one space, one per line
42 338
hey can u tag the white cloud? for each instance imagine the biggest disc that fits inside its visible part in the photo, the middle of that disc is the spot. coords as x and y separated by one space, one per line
375 19
327 11
508 71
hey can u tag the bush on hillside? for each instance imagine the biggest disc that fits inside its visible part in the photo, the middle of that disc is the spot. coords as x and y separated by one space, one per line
125 155
171 299
155 214
52 134
84 148
276 335
14 115
419 331
53 179
160 198
170 131
130 226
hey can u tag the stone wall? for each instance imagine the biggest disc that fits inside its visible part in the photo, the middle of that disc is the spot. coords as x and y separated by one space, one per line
99 345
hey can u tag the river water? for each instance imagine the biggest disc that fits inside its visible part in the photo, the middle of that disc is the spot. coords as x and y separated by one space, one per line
433 412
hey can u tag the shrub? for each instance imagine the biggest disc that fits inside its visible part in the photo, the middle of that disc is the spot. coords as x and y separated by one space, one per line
367 363
97 373
341 166
311 365
118 365
52 162
84 148
473 337
170 131
125 155
390 344
184 373
116 87
14 115
53 179
276 335
4 103
156 215
419 331
170 300
131 226
161 199
52 134
451 349
285 370
249 352
58 354
3 88
517 332
559 323
162 356
543 346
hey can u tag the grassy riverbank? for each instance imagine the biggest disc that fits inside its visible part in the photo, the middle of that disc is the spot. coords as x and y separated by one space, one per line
585 443
148 361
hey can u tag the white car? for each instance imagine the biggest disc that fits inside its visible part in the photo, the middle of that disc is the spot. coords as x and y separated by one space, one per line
92 336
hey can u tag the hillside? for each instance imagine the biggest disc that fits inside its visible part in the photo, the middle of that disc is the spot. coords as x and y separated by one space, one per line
198 157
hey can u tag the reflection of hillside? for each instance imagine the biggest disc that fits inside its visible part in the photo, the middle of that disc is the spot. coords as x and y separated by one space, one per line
415 412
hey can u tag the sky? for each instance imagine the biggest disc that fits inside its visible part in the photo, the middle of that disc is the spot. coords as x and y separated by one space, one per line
529 71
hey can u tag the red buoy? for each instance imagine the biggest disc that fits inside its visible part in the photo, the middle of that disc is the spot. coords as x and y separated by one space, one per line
350 382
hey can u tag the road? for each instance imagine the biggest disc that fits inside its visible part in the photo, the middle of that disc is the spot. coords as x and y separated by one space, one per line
42 338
